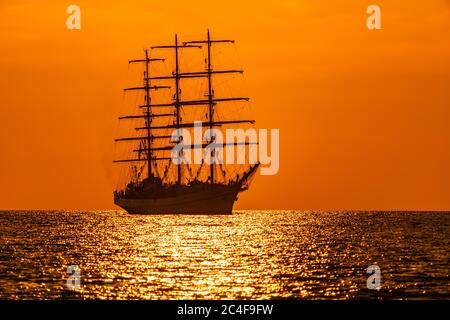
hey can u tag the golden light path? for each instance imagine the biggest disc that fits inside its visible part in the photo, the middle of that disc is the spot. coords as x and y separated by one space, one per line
249 255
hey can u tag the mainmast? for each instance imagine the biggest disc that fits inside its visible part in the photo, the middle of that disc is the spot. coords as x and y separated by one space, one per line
209 42
211 106
148 122
176 76
177 101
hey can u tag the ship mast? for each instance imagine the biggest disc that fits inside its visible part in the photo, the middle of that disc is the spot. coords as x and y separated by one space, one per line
177 103
176 76
209 42
177 100
211 106
147 102
147 114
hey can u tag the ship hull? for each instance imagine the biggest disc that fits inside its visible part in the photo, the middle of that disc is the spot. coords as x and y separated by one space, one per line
209 201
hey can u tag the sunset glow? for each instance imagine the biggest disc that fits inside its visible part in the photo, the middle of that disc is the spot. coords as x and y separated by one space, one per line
363 115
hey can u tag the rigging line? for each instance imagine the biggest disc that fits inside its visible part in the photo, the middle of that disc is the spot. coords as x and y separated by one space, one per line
189 169
199 170
123 104
166 170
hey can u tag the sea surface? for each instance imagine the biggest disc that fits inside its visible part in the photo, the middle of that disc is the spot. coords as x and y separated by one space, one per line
248 255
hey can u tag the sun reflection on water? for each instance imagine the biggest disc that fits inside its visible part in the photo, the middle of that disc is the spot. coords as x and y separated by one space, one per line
249 255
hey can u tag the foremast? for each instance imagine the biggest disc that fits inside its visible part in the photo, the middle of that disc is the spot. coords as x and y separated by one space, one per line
147 114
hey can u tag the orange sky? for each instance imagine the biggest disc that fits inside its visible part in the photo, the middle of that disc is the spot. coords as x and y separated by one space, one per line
363 115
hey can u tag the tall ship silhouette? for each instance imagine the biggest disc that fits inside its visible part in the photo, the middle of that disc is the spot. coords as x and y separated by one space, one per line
158 180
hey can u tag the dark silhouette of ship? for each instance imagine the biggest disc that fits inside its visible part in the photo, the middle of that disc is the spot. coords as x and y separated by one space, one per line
193 189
